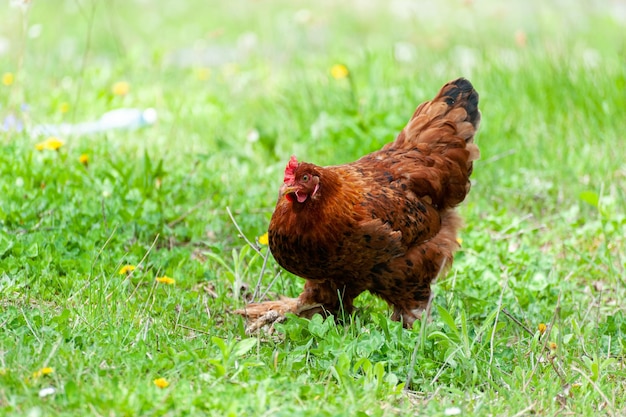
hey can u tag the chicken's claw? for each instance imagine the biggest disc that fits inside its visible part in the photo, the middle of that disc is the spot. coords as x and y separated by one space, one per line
270 312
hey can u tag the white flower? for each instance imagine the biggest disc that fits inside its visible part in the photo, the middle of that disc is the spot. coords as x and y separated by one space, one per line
45 392
452 411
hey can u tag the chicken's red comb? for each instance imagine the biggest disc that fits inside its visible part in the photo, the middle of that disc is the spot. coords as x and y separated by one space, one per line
290 170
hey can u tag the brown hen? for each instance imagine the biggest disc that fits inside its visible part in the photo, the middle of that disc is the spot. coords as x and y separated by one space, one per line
385 223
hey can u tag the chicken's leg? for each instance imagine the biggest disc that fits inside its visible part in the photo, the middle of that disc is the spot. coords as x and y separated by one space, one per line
317 297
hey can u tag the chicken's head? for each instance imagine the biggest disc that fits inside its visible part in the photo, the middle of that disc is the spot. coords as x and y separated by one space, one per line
300 182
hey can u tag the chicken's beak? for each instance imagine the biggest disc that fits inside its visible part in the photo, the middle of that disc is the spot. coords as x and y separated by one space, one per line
287 191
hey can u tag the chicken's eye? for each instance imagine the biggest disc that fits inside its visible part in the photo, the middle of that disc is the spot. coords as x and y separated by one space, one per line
305 178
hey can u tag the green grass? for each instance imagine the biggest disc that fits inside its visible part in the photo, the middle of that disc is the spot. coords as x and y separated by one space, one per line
545 231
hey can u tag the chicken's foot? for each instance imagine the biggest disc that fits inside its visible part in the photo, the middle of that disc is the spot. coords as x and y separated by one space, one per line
259 315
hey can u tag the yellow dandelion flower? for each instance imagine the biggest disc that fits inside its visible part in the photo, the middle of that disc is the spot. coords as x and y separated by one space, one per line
459 240
64 107
161 383
552 346
542 328
52 143
264 239
202 74
8 78
42 372
127 269
166 280
120 88
339 71
84 159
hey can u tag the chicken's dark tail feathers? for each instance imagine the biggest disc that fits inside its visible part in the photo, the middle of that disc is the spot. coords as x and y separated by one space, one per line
461 93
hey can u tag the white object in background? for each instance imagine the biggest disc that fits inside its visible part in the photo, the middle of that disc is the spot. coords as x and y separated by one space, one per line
127 118
124 118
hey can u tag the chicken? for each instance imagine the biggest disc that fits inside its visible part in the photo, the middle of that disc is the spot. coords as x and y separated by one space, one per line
385 223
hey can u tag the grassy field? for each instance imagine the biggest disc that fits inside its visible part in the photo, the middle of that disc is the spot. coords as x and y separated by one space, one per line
529 321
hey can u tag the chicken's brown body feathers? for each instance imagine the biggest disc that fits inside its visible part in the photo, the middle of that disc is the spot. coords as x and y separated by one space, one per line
386 222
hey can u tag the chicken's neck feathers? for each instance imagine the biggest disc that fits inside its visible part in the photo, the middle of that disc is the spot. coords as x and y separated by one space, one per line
338 197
